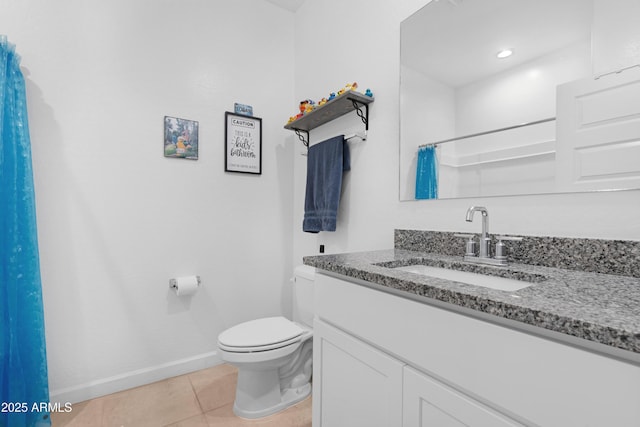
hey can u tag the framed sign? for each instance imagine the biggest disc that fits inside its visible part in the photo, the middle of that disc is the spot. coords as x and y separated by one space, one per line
180 138
243 143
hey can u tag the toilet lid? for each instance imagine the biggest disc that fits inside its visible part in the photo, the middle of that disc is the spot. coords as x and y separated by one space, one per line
261 333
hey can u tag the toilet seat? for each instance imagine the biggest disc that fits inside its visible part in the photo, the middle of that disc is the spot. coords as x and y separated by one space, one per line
260 335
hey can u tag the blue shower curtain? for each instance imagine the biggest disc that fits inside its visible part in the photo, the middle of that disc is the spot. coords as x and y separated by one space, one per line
24 389
427 173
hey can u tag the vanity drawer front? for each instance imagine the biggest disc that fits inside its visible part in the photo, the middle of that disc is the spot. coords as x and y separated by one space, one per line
532 379
428 402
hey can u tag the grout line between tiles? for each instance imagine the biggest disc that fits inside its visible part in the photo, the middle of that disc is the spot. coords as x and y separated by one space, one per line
195 393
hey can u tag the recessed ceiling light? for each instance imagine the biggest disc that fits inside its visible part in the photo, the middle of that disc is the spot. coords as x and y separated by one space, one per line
504 53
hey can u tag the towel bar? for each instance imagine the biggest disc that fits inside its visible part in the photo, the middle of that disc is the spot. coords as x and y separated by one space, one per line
361 135
351 138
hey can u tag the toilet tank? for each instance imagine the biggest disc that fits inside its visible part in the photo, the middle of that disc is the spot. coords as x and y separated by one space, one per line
303 279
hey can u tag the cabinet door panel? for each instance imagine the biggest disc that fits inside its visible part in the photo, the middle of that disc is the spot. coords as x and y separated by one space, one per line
429 403
354 384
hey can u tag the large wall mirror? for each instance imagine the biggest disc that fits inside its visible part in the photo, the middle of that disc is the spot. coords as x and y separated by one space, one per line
490 118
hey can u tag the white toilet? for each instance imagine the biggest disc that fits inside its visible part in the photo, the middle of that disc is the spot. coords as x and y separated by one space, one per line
273 355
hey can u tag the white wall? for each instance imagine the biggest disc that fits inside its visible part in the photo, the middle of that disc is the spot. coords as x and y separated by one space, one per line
497 101
116 219
616 44
360 41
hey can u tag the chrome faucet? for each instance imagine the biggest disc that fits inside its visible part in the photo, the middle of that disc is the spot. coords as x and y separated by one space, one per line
485 241
484 254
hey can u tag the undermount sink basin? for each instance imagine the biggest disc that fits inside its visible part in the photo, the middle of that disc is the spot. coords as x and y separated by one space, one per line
492 282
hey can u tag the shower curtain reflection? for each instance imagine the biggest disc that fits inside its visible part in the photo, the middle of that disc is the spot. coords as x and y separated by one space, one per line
427 173
23 365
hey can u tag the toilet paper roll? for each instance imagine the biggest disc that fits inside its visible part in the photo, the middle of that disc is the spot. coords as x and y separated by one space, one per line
187 285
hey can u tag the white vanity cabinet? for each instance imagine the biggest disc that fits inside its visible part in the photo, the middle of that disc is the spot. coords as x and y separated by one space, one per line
385 360
361 386
428 402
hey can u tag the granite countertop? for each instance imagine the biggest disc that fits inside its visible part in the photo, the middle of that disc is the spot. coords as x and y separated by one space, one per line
603 308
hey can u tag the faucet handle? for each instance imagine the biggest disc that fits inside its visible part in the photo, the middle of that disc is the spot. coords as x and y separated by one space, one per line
470 247
512 238
501 249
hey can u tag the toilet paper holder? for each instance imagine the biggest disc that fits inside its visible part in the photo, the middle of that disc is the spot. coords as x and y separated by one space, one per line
173 283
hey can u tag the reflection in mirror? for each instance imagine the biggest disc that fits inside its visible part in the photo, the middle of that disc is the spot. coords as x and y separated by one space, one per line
458 96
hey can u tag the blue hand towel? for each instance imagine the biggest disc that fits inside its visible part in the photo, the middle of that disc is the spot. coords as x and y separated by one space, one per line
326 162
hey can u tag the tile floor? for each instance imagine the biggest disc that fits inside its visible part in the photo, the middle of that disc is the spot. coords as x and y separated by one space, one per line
199 399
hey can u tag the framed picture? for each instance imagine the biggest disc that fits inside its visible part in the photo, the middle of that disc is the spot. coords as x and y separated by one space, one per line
180 138
243 143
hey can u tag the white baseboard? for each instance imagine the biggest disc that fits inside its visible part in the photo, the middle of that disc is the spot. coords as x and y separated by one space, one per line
135 378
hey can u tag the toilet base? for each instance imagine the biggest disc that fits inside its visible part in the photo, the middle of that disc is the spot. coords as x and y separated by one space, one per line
272 380
270 386
288 398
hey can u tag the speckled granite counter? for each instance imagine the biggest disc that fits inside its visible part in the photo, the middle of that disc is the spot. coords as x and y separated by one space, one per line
602 308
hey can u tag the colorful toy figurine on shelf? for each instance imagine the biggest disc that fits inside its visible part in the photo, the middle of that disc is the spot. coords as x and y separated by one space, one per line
307 106
348 87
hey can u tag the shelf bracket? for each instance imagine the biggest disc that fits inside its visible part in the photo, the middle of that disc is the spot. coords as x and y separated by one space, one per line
364 117
301 137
